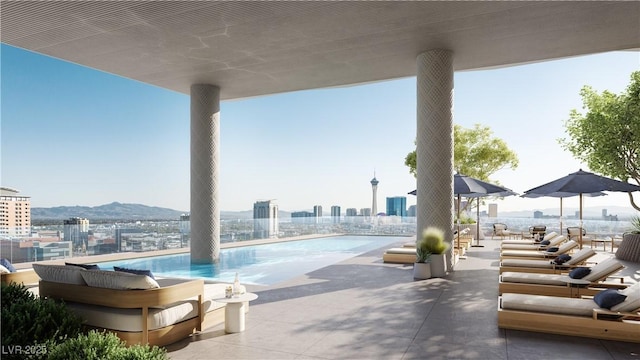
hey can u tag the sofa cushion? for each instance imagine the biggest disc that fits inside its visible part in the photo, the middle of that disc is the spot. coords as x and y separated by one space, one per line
7 264
118 280
134 271
4 270
60 273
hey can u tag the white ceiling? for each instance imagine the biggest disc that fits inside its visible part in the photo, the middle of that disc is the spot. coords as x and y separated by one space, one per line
251 48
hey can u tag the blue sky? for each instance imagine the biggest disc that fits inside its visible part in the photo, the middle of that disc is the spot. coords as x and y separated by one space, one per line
75 136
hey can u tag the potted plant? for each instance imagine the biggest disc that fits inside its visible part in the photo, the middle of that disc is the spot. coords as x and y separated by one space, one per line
629 248
434 242
422 266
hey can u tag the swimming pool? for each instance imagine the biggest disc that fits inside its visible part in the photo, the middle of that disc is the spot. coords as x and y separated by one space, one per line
261 264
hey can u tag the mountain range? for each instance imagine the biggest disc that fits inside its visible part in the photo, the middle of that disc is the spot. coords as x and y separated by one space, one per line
120 211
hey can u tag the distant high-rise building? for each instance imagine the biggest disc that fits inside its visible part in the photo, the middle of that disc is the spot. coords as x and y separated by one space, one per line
265 219
76 230
352 212
397 206
374 187
303 217
365 212
411 211
15 213
538 214
317 211
604 213
185 229
335 213
493 210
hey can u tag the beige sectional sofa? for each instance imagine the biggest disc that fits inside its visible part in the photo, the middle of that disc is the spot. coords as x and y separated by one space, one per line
137 308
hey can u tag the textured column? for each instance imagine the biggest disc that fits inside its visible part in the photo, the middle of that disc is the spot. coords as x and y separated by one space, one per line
435 143
205 142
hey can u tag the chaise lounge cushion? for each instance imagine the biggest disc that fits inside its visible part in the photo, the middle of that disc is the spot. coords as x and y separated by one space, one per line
632 302
118 280
547 304
4 270
608 298
60 273
84 266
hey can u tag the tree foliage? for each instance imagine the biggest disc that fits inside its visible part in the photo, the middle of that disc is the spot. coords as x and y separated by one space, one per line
476 153
607 136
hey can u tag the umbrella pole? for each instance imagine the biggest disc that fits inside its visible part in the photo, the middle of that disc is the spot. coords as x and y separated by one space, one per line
478 224
458 233
560 216
581 229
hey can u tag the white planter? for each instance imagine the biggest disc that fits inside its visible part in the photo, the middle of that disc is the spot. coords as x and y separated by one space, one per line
421 270
438 265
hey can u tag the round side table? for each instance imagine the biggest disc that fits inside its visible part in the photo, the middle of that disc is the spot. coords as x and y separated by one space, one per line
234 311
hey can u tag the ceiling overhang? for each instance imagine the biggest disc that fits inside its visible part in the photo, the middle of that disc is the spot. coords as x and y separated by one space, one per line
252 48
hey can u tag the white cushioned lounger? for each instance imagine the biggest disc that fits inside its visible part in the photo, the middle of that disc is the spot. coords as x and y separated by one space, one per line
556 241
549 236
576 258
598 272
564 248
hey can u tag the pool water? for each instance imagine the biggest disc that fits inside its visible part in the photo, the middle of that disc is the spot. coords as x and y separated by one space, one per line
262 264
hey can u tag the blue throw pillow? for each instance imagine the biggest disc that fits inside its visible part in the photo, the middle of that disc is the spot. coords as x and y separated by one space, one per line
134 271
545 242
579 272
609 298
7 264
553 249
561 259
84 266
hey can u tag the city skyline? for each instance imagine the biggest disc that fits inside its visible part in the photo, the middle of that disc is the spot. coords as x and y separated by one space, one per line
95 138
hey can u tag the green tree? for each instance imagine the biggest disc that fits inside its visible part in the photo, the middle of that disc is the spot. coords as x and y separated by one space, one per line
476 153
607 137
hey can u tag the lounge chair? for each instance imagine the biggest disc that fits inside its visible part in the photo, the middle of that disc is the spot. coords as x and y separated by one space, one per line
546 266
401 255
573 317
530 241
561 284
556 241
533 254
501 231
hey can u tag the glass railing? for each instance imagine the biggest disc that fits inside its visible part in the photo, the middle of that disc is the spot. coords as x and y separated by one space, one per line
49 242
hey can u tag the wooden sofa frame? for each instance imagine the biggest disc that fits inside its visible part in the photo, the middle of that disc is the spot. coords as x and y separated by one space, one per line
606 325
21 277
143 300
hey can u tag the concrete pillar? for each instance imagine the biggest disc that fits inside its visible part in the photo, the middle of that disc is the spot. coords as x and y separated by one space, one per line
205 142
435 143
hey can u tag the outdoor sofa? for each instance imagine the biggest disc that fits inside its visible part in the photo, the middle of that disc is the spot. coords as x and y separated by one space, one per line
546 266
137 308
561 284
574 317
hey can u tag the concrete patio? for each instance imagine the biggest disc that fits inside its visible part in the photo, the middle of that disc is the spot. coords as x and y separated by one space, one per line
364 309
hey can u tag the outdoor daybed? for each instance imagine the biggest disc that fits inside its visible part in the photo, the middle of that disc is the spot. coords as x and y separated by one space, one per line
137 308
532 254
574 317
556 241
546 266
562 285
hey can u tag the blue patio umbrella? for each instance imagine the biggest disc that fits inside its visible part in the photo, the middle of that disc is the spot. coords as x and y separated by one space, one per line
472 188
562 195
581 183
